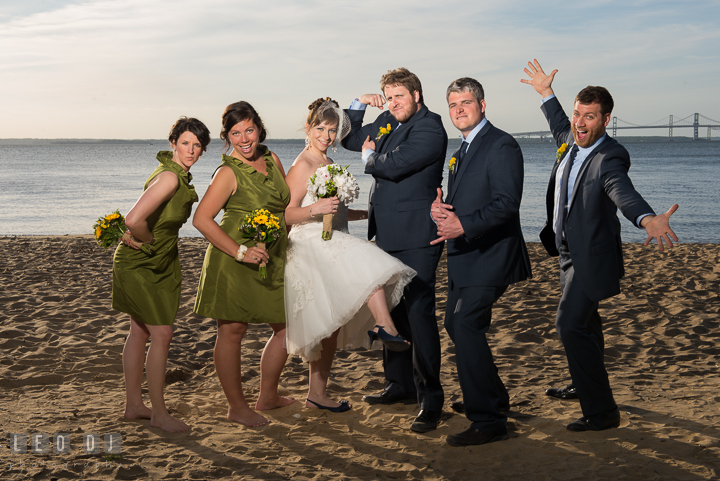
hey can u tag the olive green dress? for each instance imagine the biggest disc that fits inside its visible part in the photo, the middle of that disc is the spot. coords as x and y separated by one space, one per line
148 287
231 290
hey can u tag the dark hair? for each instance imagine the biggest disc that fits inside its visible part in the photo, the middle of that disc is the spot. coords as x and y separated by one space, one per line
591 94
404 77
236 113
466 84
192 125
315 117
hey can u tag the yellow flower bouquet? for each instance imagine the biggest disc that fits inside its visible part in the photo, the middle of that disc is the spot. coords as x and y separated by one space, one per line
111 228
262 227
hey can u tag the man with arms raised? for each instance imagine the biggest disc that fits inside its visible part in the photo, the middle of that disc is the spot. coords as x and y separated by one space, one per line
588 184
404 151
480 219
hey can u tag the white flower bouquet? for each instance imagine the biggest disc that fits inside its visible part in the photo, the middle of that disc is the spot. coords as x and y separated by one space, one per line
330 181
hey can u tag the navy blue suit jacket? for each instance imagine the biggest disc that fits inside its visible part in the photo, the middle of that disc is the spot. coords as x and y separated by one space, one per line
593 228
407 167
486 191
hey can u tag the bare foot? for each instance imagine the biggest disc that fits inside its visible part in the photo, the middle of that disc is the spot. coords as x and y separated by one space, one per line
247 417
137 412
278 402
322 401
168 423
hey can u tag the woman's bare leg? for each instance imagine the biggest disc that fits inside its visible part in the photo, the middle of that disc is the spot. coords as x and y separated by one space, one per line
227 355
133 359
320 372
155 366
271 365
379 309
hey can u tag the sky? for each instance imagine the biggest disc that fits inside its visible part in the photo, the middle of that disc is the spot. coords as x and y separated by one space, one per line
127 69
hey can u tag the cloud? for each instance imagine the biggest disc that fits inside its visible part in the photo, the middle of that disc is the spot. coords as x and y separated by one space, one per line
129 68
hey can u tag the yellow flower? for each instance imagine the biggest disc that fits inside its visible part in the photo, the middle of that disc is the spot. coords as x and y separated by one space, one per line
561 151
383 131
451 165
261 219
98 232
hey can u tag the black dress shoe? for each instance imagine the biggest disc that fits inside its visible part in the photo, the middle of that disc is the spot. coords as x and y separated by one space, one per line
474 437
426 421
459 407
386 397
562 392
596 423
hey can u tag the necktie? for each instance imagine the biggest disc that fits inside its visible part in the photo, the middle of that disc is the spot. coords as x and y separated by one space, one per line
461 156
563 200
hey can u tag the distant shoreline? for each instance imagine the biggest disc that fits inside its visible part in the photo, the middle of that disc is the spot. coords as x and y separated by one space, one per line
45 142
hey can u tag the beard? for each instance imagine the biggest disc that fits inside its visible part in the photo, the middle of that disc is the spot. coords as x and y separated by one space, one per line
405 114
591 136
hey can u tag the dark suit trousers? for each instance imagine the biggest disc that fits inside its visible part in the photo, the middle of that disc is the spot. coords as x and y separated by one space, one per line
418 368
467 320
580 328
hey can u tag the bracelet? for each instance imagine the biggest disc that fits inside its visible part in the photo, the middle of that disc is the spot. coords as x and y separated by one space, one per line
311 214
241 253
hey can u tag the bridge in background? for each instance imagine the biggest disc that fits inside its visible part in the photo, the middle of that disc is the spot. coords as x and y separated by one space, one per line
694 121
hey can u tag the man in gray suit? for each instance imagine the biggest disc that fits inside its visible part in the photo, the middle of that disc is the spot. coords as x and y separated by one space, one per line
588 184
480 219
404 151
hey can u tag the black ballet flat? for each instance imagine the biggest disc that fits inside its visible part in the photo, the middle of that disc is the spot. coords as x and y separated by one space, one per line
344 406
394 343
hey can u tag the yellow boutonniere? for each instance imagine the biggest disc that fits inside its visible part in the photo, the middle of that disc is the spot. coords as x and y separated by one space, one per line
451 165
383 131
561 151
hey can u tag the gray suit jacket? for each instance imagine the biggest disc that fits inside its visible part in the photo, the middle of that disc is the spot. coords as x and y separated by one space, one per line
593 228
486 191
407 168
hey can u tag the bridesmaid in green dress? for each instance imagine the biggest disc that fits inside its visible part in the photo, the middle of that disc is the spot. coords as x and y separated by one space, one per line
148 287
230 289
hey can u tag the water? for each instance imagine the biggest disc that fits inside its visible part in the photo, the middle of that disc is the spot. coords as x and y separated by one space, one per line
60 189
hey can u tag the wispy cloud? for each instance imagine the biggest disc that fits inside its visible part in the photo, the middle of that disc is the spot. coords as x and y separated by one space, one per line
128 68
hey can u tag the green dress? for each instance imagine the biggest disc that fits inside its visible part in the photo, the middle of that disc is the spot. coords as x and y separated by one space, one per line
231 290
148 287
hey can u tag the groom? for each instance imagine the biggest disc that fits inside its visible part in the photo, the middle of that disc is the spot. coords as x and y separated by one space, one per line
404 150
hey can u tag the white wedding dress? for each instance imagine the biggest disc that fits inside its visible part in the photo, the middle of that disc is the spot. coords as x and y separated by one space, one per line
328 282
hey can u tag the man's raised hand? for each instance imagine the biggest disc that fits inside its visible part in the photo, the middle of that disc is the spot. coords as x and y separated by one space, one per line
541 82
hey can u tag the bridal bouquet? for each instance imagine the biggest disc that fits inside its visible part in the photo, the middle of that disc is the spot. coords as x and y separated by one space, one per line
330 181
111 228
262 227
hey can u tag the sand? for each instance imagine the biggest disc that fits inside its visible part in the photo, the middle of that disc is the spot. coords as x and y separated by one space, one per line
61 372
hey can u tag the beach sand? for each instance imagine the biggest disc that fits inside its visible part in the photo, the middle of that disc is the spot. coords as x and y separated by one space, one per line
61 372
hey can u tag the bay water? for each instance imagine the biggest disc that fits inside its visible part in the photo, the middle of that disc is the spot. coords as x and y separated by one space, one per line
57 188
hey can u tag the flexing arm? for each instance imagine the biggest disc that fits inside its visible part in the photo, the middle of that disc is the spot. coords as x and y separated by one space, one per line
424 145
355 139
160 190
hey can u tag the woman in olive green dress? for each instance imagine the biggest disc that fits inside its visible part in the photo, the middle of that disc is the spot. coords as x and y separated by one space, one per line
148 287
230 289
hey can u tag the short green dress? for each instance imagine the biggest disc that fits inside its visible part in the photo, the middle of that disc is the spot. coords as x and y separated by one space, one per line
231 290
148 287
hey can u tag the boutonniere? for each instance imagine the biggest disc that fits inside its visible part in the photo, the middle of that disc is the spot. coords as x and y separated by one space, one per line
383 131
561 152
451 165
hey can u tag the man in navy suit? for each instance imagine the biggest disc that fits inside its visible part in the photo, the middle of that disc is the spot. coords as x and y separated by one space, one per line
486 252
588 184
404 151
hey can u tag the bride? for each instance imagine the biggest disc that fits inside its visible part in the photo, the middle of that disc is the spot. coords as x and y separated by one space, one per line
333 289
